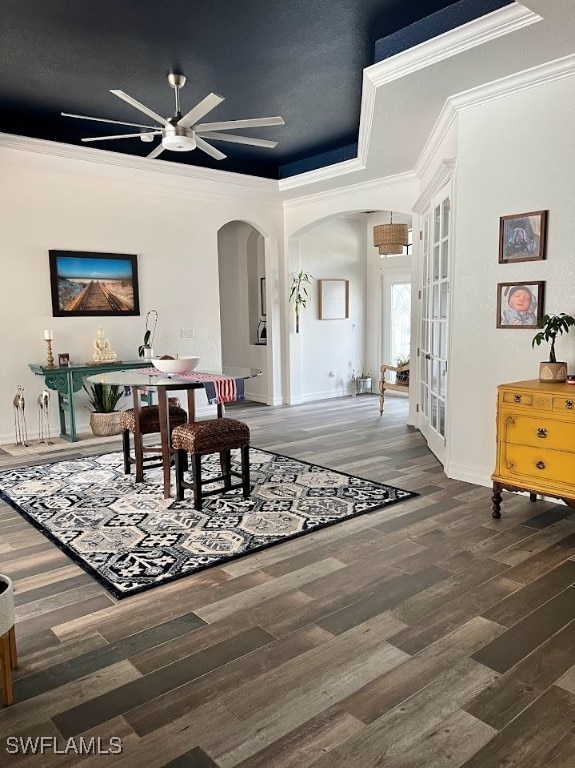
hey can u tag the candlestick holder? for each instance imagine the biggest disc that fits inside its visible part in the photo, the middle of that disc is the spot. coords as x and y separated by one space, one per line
49 354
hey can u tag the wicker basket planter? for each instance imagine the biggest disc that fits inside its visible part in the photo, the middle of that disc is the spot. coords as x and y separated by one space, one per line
105 424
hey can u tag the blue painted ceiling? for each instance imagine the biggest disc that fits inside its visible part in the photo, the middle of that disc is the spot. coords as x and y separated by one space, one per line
301 59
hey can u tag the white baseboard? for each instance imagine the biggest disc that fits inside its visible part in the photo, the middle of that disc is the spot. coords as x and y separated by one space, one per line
468 473
326 395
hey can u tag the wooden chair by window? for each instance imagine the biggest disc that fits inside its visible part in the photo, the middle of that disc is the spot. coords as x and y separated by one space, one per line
401 383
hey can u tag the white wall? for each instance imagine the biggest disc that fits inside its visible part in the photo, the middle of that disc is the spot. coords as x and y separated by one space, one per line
169 221
515 155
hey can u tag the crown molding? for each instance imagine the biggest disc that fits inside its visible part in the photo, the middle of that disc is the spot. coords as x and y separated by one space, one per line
353 189
321 174
474 33
504 86
521 81
102 157
482 30
443 174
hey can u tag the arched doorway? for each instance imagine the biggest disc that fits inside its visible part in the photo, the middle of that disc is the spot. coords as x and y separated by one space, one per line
244 322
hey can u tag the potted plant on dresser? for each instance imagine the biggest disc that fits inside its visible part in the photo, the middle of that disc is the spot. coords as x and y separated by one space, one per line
105 419
551 327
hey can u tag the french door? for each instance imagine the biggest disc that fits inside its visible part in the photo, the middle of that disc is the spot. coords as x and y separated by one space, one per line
432 396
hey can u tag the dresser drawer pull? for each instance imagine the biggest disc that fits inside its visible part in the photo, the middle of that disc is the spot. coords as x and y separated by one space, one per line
569 403
540 465
541 432
517 399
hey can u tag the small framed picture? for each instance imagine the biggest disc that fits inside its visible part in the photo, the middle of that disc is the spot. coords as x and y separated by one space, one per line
64 360
522 237
333 299
519 305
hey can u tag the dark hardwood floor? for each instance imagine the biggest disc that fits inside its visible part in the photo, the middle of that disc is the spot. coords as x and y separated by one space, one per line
425 635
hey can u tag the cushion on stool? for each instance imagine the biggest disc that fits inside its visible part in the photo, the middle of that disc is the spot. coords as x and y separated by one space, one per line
211 436
150 418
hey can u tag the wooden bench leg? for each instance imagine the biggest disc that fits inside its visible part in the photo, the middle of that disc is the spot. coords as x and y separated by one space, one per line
5 657
197 480
13 652
126 451
246 471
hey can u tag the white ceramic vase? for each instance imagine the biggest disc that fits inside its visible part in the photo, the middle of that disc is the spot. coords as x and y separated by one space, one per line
6 605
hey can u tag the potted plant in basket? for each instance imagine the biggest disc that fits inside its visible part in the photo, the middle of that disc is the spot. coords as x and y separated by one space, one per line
552 326
105 419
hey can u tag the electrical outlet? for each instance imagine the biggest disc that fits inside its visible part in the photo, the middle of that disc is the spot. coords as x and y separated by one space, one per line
186 333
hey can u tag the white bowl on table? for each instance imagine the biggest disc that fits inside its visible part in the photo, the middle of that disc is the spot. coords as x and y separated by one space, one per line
179 365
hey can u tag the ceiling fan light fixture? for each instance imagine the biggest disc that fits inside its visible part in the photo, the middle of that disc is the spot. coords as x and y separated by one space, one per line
183 143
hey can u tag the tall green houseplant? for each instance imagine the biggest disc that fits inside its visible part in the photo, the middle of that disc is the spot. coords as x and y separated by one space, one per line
299 293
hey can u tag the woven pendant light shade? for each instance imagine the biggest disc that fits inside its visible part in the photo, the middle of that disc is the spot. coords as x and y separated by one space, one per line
390 238
390 250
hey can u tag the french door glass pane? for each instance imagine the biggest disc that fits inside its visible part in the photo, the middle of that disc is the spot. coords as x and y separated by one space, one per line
446 206
443 301
441 424
444 255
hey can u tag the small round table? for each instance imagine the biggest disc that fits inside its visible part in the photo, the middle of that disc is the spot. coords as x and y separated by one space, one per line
139 380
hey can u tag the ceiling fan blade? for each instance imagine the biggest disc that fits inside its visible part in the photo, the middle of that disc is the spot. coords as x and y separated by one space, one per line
141 107
209 150
155 152
206 105
257 122
122 136
104 120
237 139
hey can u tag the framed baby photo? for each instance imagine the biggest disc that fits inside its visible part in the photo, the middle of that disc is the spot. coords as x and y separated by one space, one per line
522 237
519 305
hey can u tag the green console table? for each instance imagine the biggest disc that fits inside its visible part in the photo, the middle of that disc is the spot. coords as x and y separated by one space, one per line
66 380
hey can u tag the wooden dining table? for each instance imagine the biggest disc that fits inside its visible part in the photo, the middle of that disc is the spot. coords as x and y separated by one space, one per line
144 382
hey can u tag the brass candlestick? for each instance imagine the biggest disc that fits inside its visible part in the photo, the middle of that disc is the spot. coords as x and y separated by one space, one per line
49 355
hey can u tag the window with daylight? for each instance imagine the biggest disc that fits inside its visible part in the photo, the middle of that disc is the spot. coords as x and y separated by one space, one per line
400 321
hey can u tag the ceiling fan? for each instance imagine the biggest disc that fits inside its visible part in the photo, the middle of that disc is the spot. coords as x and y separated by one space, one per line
183 134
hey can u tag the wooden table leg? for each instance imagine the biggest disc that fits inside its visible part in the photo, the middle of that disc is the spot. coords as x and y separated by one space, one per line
7 694
191 405
165 438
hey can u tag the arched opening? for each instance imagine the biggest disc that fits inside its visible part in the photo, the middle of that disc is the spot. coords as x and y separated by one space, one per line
325 356
243 303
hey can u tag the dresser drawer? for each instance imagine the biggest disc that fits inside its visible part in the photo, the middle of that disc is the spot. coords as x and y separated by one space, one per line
539 431
536 400
538 464
565 404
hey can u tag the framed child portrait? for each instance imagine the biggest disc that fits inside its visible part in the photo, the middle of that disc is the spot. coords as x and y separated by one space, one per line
522 237
519 305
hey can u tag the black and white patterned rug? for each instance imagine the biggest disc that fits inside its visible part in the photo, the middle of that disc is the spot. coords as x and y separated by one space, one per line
131 539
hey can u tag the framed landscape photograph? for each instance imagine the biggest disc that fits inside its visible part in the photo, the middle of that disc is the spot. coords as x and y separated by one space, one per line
333 299
522 237
519 305
93 284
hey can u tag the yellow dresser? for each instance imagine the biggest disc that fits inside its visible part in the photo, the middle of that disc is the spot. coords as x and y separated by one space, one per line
535 441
